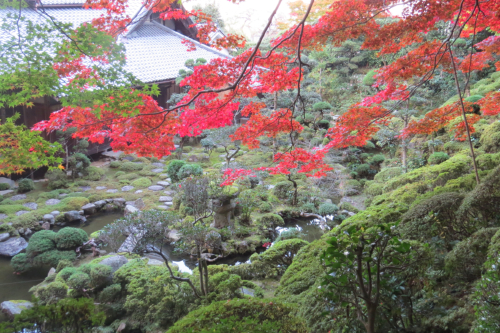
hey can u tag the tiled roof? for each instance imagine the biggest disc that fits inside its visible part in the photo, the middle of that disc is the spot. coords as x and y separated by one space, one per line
156 53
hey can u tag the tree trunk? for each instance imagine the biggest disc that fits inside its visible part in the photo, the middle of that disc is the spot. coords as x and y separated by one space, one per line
200 269
294 200
371 313
205 266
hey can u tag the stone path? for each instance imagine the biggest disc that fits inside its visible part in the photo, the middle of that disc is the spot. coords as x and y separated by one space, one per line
155 188
163 183
85 188
99 188
165 199
18 197
31 205
112 191
138 191
127 188
157 170
21 212
52 202
157 164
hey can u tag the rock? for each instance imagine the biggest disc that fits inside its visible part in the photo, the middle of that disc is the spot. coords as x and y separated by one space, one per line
157 170
52 271
46 226
55 213
164 175
3 216
155 262
270 187
163 183
112 191
168 203
155 188
157 164
127 188
165 199
28 232
52 202
89 209
113 154
110 207
31 205
85 188
114 262
73 216
129 209
138 191
99 204
4 192
163 207
139 203
12 246
11 183
174 235
4 236
18 197
128 158
21 212
99 188
49 218
12 308
119 202
170 193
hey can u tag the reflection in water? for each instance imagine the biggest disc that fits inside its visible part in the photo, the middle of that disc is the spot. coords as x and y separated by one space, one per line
312 229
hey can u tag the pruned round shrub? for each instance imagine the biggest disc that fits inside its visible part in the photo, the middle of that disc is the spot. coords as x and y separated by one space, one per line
110 293
271 221
66 273
376 159
41 241
265 207
4 186
189 170
388 173
115 164
374 189
173 168
93 173
490 139
56 179
21 263
99 275
289 234
473 98
283 189
70 238
327 209
53 257
131 166
79 281
52 292
74 203
308 207
142 182
63 264
438 158
25 185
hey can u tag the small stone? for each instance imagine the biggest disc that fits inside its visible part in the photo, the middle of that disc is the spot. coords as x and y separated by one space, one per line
52 202
156 188
165 199
157 164
139 203
119 202
13 308
112 191
21 212
169 193
168 203
164 175
129 209
114 262
73 216
157 170
31 205
52 271
4 236
85 188
18 197
12 246
49 218
28 232
89 209
127 188
163 183
55 213
99 204
3 216
174 235
46 226
100 188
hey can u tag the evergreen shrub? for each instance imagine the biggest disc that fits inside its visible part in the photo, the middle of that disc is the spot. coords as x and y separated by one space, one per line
115 164
173 168
56 179
282 189
142 182
4 186
327 209
25 185
70 238
131 166
93 173
189 170
438 158
490 139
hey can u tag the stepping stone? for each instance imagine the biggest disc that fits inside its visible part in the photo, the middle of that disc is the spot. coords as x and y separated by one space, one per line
168 203
21 212
164 175
157 164
163 207
168 192
55 213
112 191
31 205
52 202
3 216
100 188
163 183
157 170
18 197
165 199
85 188
156 188
138 191
4 192
127 188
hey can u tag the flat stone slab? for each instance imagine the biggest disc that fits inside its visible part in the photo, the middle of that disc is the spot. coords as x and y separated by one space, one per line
4 236
156 188
85 188
112 154
165 199
138 191
157 170
99 188
127 188
157 164
3 216
169 193
31 205
164 175
55 213
52 202
112 191
12 246
18 197
4 192
12 308
21 212
163 183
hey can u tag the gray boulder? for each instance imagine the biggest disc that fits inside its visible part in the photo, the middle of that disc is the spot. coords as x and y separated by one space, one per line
139 203
89 209
55 213
99 204
114 262
74 216
49 218
119 202
12 308
52 202
4 236
163 183
31 205
155 188
129 209
127 188
46 226
12 246
18 197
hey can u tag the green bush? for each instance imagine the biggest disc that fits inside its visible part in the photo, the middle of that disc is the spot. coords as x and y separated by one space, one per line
115 164
315 142
41 241
63 264
327 209
377 159
474 98
110 293
326 141
173 168
282 189
344 205
127 176
369 78
93 173
275 260
363 170
488 161
189 170
79 281
72 203
4 186
142 160
99 275
241 315
70 238
131 166
52 292
141 182
490 139
308 207
289 234
66 273
271 221
25 185
21 263
53 257
265 207
438 158
56 179
374 189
